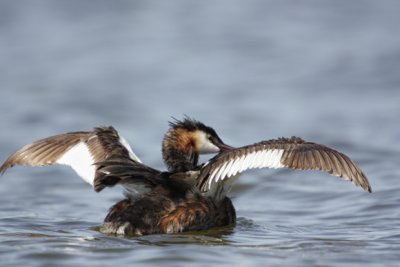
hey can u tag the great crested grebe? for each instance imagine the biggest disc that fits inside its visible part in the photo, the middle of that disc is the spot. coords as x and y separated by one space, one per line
188 196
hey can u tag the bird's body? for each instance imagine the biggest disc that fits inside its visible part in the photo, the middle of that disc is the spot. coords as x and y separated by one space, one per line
166 210
187 196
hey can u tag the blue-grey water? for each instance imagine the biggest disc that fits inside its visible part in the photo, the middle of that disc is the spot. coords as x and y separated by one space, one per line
328 71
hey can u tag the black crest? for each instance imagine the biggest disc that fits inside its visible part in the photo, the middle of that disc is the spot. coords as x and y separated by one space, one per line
191 125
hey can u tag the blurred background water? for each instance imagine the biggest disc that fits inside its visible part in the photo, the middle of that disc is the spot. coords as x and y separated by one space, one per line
328 71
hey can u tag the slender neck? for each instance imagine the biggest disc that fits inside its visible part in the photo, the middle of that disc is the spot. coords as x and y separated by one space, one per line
178 151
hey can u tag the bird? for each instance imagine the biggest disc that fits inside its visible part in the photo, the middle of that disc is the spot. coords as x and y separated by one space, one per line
188 195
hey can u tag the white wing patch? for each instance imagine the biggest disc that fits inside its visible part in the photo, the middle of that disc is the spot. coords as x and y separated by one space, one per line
79 150
125 143
259 159
81 160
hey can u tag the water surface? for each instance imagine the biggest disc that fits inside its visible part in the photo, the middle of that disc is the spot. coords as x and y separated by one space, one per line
327 71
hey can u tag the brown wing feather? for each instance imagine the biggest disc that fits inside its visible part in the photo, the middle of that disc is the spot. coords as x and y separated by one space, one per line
126 172
326 159
39 153
297 154
103 143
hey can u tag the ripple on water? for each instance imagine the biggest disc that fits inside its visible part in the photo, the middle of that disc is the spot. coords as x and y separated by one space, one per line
248 78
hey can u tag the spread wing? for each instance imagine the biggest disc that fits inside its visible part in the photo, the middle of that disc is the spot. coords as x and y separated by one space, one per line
293 153
139 178
80 150
135 177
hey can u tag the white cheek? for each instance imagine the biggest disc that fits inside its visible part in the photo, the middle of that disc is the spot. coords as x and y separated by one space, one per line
206 147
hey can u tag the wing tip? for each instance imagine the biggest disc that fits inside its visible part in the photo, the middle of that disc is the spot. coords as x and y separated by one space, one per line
6 165
98 187
360 180
363 180
367 188
98 184
3 169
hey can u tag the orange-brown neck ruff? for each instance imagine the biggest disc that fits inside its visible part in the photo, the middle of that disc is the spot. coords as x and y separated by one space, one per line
178 149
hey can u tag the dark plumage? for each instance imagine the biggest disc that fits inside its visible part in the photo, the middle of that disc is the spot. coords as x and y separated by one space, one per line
193 125
166 210
188 196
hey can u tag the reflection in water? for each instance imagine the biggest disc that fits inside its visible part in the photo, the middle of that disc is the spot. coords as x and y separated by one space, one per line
215 236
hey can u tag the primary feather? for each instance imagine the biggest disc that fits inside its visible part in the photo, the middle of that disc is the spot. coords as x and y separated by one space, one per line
292 153
79 150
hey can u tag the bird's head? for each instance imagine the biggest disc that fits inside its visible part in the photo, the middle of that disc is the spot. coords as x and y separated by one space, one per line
188 138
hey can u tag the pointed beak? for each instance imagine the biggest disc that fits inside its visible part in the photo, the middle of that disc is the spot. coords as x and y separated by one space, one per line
224 147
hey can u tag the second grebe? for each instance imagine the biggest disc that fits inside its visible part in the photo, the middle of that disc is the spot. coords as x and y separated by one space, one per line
188 196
